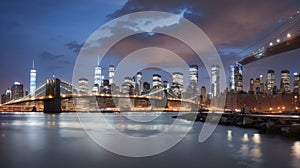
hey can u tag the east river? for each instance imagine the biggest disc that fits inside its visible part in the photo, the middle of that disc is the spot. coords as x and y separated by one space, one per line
59 140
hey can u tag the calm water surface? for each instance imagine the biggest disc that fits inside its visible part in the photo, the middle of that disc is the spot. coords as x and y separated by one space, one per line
49 140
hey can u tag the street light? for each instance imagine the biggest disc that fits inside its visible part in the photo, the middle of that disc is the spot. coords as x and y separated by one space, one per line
289 35
271 44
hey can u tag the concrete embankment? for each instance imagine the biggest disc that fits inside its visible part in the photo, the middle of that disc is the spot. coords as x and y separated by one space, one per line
286 125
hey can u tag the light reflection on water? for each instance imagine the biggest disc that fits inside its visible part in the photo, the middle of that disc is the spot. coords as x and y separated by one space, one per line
256 138
42 135
296 153
250 151
245 137
229 135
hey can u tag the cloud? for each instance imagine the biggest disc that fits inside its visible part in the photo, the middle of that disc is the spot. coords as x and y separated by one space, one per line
53 61
47 56
74 46
227 22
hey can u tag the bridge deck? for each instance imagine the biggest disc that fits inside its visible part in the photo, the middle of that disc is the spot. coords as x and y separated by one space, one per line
288 45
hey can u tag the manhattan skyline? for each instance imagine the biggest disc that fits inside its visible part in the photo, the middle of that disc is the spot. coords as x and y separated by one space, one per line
32 30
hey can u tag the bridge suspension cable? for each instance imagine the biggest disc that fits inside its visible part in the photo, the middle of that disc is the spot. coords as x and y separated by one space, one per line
276 32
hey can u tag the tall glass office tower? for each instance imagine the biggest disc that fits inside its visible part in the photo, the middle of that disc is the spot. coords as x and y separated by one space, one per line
98 72
215 80
32 80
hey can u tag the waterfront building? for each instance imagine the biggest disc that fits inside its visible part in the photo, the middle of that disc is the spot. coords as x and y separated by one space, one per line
32 81
111 74
83 85
17 91
296 82
215 80
285 81
270 81
156 81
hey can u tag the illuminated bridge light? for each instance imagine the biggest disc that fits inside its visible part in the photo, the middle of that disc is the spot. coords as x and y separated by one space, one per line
271 44
278 40
289 35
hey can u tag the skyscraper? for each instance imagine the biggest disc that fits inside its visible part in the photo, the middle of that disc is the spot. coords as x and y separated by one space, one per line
98 74
3 99
32 80
146 88
95 89
256 86
251 90
238 77
296 82
194 74
156 81
17 91
215 80
231 78
128 79
261 84
177 79
111 74
139 82
285 81
106 88
270 81
83 85
177 83
6 96
127 87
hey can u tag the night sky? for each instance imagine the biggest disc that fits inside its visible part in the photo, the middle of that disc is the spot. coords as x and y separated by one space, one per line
51 33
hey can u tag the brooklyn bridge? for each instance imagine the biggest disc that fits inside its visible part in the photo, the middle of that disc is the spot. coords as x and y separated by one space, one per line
57 95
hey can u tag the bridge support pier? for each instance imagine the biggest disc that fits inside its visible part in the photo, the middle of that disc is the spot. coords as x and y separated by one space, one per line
52 104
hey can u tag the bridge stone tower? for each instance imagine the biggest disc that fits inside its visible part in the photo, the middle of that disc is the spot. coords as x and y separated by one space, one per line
52 104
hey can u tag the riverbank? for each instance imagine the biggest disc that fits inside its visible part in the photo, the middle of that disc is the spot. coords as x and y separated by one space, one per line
286 125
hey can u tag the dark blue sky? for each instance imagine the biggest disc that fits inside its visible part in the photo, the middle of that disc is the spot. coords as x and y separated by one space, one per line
51 32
